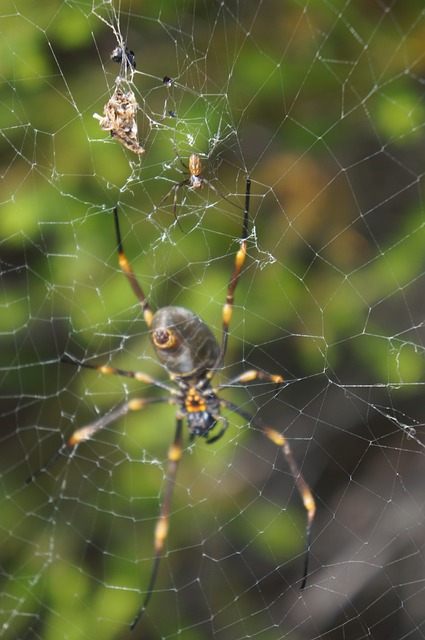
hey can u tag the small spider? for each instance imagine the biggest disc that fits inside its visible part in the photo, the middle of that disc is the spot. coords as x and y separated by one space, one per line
195 180
191 355
120 120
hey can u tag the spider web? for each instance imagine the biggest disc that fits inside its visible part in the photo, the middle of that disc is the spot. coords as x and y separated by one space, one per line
322 105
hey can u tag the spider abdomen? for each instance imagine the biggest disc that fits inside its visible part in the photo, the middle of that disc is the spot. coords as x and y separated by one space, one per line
195 168
183 343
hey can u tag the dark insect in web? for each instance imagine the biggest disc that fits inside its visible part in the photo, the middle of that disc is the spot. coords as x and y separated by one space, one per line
118 56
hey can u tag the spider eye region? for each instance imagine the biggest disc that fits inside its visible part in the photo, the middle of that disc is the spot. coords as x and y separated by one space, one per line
183 343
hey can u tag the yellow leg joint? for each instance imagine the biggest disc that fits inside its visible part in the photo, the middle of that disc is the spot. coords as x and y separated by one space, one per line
175 453
227 314
148 316
136 404
105 369
240 256
276 379
310 505
276 437
123 262
161 532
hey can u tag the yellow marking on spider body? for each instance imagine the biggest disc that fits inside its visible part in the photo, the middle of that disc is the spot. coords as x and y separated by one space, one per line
195 166
194 402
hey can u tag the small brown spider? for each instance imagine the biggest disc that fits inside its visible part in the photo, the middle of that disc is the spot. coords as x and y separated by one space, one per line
120 120
195 180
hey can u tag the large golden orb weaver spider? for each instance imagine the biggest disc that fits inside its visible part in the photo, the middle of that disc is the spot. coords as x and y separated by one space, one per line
196 180
190 353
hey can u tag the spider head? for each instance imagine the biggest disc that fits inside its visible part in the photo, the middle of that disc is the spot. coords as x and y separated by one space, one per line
196 182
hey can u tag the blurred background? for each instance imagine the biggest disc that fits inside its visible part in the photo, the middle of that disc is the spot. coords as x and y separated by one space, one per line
322 105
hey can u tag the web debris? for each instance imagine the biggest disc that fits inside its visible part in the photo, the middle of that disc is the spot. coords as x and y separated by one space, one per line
120 119
121 109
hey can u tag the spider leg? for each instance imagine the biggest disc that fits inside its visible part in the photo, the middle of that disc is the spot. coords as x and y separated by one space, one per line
126 268
225 422
228 307
87 432
249 376
182 162
136 375
302 486
167 195
161 529
176 189
218 193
